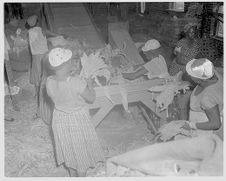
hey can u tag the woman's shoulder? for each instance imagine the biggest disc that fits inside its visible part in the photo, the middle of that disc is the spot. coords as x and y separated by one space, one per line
77 84
215 90
181 42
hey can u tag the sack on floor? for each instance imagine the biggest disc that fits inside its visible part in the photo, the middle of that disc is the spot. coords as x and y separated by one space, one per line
192 156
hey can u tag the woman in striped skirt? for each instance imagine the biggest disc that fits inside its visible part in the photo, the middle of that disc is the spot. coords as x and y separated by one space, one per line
76 141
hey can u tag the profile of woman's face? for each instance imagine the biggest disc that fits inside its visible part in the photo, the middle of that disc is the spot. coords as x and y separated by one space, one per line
191 33
69 67
150 55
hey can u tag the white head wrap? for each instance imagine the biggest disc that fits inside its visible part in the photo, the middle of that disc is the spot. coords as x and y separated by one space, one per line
58 56
151 45
200 68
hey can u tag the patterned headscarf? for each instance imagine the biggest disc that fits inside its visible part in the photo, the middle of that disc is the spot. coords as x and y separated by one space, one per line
188 26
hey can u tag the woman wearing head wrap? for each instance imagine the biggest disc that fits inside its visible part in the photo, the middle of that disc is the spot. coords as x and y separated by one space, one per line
152 50
186 49
76 141
206 101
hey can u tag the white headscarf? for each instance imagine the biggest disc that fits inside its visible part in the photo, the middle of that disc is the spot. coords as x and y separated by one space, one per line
151 45
58 56
200 68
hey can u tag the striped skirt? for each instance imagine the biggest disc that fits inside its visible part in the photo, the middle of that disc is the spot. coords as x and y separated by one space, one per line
76 141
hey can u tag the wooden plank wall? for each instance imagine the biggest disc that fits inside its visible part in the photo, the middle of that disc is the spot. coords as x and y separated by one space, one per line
73 20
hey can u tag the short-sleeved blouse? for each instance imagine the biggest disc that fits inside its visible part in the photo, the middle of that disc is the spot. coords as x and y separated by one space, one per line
208 98
66 94
156 69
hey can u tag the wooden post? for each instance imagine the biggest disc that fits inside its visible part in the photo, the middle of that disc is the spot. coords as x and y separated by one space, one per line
11 84
118 36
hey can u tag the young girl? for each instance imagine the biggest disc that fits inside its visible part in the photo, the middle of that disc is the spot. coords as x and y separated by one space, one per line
38 47
76 142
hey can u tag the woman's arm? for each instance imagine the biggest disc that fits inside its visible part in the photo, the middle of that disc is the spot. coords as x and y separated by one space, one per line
135 75
214 122
50 33
178 52
89 93
180 59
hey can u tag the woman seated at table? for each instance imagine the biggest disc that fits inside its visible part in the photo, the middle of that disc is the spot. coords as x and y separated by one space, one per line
206 100
152 50
187 48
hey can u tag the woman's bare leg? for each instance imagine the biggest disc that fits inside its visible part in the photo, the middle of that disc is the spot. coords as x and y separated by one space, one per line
75 173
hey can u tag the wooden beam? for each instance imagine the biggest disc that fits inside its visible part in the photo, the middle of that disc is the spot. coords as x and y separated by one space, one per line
130 87
105 108
117 37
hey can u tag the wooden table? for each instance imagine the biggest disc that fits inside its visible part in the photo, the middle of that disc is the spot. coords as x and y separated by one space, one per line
136 93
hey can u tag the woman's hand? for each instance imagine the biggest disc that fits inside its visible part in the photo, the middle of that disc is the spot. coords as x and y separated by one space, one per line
65 36
177 50
128 76
180 59
89 93
90 82
186 127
